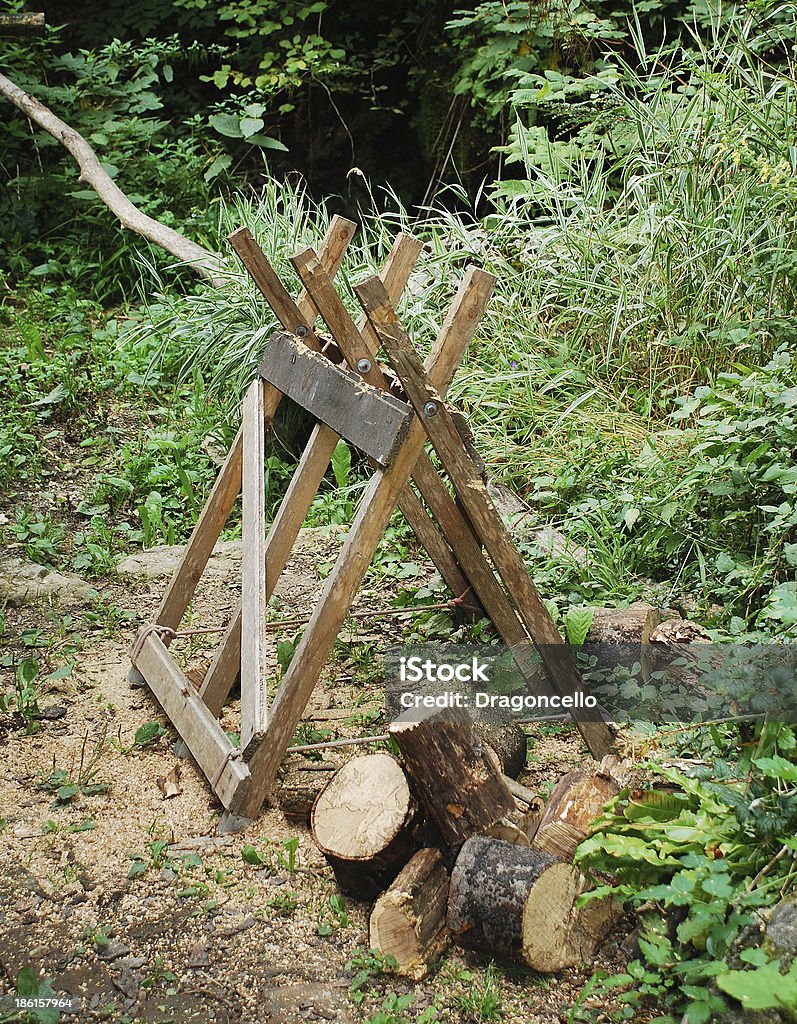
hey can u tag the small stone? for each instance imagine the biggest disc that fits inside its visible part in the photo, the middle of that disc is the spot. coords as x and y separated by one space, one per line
113 951
198 955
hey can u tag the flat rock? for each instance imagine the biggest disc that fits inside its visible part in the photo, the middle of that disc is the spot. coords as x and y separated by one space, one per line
24 582
164 559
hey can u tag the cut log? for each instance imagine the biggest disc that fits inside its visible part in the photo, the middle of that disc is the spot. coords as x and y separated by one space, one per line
408 922
508 743
298 787
624 626
458 779
576 801
363 822
518 904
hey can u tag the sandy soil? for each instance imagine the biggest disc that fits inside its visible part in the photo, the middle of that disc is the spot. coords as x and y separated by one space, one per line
199 934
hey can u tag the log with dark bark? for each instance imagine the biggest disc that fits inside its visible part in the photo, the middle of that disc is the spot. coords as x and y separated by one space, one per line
508 743
458 779
408 921
299 784
520 904
203 262
575 802
364 823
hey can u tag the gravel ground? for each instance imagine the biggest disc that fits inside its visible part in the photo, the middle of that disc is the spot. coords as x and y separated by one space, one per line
199 934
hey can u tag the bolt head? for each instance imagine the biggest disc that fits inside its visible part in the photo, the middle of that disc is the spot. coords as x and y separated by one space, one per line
364 365
301 331
430 409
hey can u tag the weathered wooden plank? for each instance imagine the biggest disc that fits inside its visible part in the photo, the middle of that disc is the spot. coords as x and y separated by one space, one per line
368 417
442 432
196 724
373 515
226 664
254 695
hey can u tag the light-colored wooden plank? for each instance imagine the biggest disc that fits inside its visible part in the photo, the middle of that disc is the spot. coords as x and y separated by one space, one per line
373 515
226 664
371 419
254 669
209 744
442 432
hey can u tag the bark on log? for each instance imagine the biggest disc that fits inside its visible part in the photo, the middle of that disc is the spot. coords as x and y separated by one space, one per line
458 779
203 262
575 802
508 742
299 784
519 904
409 920
624 626
364 823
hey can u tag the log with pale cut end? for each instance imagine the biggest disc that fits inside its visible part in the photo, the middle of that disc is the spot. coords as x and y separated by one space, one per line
408 922
364 823
458 779
624 626
575 802
508 741
519 904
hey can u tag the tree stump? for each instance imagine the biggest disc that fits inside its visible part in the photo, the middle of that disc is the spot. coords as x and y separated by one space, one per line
519 904
459 781
409 920
363 822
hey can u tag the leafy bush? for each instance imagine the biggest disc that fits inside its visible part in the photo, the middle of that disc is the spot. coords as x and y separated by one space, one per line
695 861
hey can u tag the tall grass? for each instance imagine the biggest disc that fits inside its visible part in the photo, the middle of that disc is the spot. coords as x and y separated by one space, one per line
658 256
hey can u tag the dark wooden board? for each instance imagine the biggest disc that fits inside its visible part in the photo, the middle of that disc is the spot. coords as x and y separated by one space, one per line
374 421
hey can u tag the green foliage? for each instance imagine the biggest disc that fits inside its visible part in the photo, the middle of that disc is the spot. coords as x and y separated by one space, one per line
696 862
368 964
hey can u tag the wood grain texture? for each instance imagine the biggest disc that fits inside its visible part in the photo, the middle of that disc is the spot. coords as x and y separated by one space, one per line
458 780
368 417
471 491
373 514
196 724
254 667
408 921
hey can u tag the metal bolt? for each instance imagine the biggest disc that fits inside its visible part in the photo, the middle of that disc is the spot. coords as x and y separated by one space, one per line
430 409
364 366
301 331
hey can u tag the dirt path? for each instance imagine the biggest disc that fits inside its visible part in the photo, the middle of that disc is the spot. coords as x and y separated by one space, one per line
237 928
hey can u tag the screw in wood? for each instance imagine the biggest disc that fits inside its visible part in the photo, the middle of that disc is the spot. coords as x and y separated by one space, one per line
430 409
301 331
364 366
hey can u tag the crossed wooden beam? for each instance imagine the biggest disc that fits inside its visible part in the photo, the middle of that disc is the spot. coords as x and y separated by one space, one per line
341 382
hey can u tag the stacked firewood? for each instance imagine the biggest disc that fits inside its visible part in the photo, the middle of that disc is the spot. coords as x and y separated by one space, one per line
452 848
449 847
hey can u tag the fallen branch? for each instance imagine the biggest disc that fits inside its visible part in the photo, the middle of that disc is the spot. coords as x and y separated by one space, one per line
205 263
